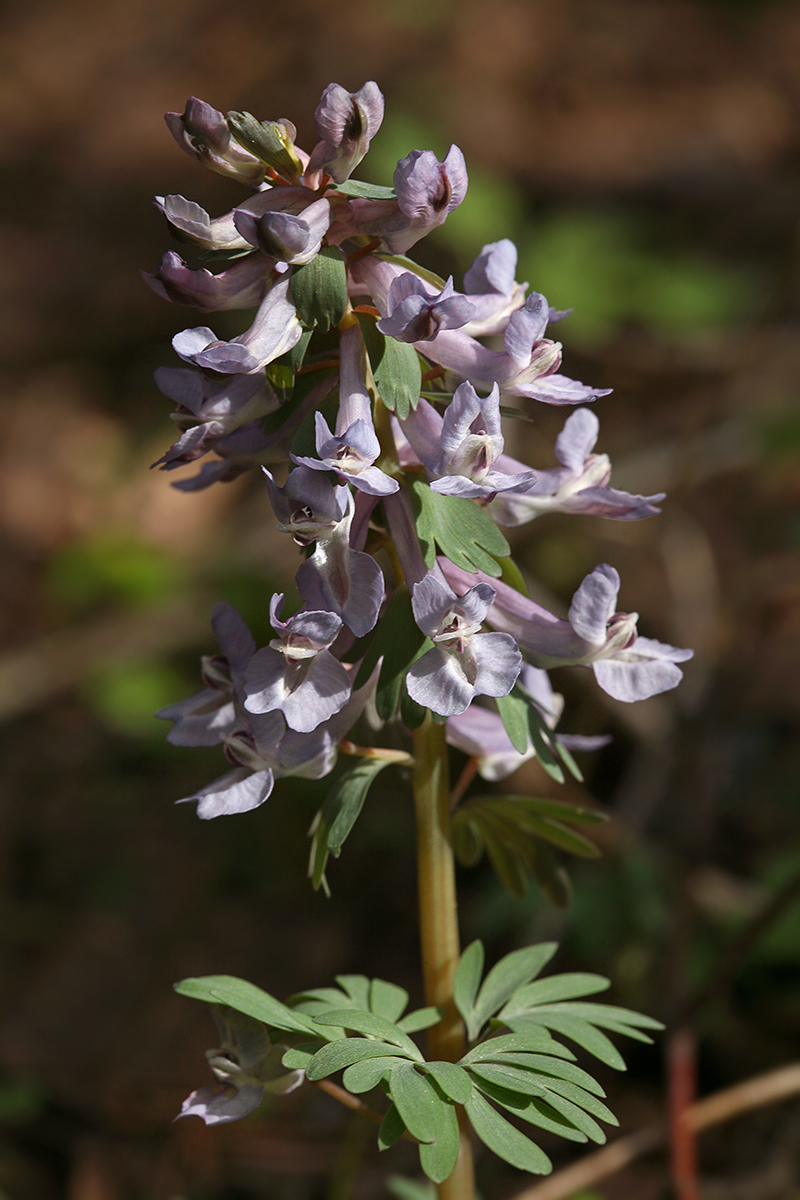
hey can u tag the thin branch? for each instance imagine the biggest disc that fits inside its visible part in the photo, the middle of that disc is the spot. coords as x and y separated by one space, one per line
353 1103
758 1092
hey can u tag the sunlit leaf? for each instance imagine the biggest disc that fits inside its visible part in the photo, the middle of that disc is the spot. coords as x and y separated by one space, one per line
504 1139
246 998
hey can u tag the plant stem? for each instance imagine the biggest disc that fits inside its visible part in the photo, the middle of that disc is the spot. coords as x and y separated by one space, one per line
438 921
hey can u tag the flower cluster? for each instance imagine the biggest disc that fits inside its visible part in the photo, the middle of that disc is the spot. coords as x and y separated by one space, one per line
364 391
312 250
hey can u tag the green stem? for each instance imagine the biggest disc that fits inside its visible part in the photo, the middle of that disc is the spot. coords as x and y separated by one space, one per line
438 921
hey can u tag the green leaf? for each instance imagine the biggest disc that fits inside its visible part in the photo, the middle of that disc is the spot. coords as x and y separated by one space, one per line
513 712
246 998
297 1058
370 191
467 842
546 1064
391 1128
611 1016
371 1025
336 1056
506 1141
398 639
577 1116
452 1079
540 740
534 1110
507 976
568 760
468 979
357 988
527 1041
464 532
555 987
559 810
420 1018
439 1158
363 1076
508 861
586 1035
395 368
339 813
387 999
420 1107
319 289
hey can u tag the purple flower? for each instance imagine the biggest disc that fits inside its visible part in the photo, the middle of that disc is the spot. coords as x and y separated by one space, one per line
296 674
203 133
308 506
206 719
580 485
352 450
463 662
480 732
417 315
210 409
263 749
492 289
289 225
427 192
347 122
527 367
339 579
246 1065
241 286
626 666
275 330
460 451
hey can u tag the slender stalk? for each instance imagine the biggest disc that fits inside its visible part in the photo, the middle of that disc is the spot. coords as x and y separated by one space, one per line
438 920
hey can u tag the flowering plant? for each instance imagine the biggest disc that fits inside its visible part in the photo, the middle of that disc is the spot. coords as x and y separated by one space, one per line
364 391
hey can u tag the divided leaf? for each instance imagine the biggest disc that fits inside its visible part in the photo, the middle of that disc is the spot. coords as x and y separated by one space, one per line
246 998
319 289
339 813
463 531
395 368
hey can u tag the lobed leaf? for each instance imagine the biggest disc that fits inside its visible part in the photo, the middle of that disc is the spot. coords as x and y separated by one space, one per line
554 988
508 976
319 289
363 1076
387 999
395 368
513 712
504 1139
452 1079
391 1128
420 1018
246 998
336 1056
371 1025
463 531
439 1158
418 1103
468 979
534 1110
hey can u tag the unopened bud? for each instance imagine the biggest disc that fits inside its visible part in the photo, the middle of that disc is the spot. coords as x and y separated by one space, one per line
271 141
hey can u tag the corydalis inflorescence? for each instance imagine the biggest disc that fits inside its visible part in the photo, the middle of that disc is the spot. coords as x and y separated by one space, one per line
365 389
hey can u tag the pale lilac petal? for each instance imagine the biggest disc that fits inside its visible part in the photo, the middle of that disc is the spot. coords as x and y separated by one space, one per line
239 791
526 326
437 681
324 691
594 604
630 681
431 601
493 270
218 1105
499 660
347 122
235 639
577 439
556 389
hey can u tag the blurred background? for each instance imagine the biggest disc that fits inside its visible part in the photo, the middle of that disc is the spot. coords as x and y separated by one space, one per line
645 156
